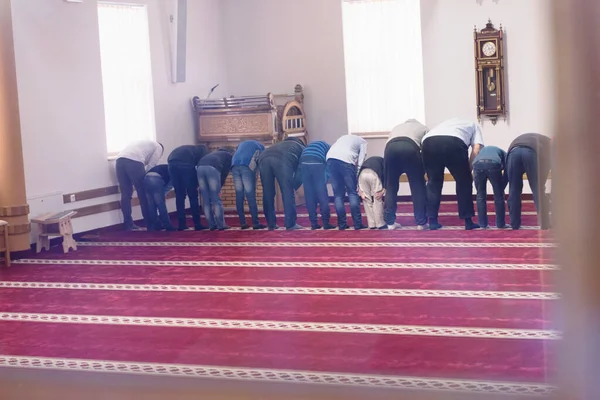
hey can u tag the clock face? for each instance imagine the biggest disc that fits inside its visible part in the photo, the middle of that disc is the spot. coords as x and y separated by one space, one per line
489 49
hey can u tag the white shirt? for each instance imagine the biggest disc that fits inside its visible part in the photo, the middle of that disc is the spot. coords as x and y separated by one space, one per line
350 149
468 131
411 129
148 152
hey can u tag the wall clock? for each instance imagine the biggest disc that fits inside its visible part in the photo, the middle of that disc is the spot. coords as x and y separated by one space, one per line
489 70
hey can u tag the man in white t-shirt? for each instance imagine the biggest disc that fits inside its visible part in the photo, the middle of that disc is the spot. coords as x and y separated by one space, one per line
132 164
447 146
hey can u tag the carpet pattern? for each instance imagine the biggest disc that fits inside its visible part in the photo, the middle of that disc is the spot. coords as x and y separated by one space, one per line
448 310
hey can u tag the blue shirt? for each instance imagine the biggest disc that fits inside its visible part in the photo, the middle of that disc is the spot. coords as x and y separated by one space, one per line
247 152
315 152
492 153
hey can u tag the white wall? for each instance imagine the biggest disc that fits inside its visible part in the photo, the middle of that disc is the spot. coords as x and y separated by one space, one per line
272 45
60 93
449 73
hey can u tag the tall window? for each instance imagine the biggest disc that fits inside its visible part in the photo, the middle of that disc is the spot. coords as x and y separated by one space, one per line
126 74
384 63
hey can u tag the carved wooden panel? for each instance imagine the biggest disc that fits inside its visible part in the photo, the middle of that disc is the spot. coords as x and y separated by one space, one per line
243 124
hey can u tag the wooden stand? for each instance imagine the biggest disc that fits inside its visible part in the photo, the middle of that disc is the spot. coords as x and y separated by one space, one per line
55 224
5 247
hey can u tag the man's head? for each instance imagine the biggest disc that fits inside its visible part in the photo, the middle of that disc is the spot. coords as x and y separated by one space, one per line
228 149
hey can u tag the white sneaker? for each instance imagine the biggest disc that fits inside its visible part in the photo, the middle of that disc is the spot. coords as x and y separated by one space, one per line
395 226
423 227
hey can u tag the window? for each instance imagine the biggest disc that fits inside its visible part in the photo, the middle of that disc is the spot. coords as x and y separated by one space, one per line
126 74
384 63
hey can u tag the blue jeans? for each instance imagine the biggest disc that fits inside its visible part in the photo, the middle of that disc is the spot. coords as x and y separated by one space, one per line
492 170
272 168
345 180
131 174
185 183
523 160
209 181
155 192
315 191
244 181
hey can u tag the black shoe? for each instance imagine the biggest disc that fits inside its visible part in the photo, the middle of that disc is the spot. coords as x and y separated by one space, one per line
434 226
359 227
245 226
328 226
273 228
470 225
259 227
382 228
294 228
315 227
343 227
199 228
502 227
213 228
182 228
170 229
224 228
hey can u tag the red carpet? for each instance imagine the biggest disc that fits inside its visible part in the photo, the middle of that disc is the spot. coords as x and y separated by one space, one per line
445 310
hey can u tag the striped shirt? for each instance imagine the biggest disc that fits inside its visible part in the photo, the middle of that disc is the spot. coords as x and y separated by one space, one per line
315 152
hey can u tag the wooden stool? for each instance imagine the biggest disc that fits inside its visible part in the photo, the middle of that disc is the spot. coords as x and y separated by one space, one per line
5 246
55 224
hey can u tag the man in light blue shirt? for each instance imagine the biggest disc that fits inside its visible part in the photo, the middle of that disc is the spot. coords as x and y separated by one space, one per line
490 165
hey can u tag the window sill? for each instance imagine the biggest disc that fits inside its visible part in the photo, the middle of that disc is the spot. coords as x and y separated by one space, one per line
112 157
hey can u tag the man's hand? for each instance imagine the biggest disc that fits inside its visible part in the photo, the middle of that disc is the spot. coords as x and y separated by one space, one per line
362 194
379 195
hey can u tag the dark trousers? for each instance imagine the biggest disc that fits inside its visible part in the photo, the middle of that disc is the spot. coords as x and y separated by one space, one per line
441 152
403 156
315 191
156 191
345 180
523 160
131 174
484 170
185 183
270 169
244 181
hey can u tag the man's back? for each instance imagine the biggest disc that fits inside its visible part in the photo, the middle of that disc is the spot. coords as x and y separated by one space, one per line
492 153
348 149
411 129
246 151
468 131
189 154
316 151
288 151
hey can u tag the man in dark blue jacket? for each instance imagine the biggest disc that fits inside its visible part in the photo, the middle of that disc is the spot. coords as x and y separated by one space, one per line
244 171
182 168
212 171
280 162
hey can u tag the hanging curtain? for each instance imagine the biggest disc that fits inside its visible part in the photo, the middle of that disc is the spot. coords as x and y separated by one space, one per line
384 63
126 74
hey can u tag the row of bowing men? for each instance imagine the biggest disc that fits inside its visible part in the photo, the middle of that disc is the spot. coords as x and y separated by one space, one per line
411 149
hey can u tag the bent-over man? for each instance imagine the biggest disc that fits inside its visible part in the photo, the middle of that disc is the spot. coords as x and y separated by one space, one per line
490 165
402 155
158 183
314 173
447 146
131 165
529 154
244 170
212 171
370 186
280 162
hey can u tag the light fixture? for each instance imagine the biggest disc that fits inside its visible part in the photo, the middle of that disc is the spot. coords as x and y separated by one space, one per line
480 2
